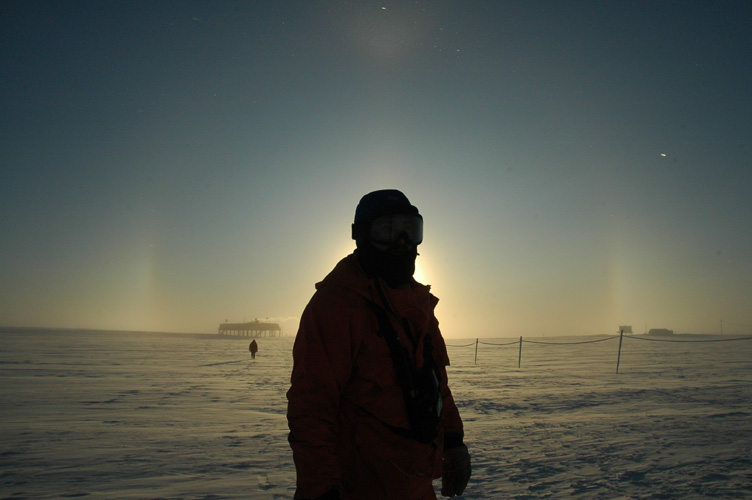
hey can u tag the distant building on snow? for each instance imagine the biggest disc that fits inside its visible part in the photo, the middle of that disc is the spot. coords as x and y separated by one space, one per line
253 328
660 331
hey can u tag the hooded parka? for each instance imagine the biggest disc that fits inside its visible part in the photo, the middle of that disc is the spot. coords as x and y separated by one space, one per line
348 423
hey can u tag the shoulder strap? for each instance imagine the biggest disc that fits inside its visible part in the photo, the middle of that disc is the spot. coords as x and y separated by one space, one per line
421 388
400 358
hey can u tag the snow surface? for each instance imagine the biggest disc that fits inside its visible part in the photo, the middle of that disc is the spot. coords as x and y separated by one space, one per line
104 415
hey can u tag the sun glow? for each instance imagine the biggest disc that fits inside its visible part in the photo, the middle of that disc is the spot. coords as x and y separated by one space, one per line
421 275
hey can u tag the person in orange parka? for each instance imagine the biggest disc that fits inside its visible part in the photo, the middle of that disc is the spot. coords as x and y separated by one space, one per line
367 344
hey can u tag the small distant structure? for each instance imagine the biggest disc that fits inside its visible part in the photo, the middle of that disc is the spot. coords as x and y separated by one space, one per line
625 328
661 332
253 328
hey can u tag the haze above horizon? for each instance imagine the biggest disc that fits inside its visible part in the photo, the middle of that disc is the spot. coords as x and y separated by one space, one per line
169 166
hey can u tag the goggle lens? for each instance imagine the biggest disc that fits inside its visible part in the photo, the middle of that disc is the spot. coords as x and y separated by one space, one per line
388 229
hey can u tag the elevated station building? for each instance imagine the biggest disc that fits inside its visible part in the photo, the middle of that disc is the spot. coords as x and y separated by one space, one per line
253 328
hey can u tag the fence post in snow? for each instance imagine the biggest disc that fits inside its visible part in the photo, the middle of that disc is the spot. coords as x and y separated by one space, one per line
618 358
519 357
476 351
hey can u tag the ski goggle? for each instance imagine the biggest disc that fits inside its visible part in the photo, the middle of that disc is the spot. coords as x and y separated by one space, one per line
388 229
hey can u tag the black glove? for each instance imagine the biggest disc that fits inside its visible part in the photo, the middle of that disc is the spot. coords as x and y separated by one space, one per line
456 471
331 495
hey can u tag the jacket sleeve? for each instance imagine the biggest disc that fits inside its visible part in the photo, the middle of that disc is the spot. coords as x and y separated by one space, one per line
322 363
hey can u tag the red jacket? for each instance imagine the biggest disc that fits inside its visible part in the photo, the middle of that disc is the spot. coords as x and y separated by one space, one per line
345 397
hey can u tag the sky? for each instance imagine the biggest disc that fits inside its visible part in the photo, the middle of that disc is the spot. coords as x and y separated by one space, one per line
172 165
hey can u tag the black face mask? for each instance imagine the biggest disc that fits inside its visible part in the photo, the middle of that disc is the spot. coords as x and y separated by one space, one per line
394 268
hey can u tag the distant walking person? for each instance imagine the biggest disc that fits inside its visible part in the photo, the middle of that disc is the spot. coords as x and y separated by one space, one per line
253 348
